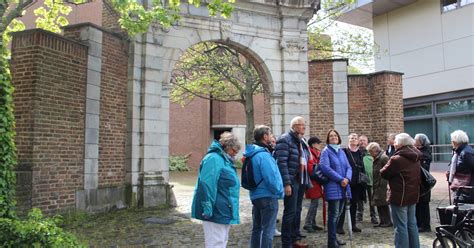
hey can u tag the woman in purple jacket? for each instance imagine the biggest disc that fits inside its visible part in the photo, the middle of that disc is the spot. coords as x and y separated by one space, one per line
336 167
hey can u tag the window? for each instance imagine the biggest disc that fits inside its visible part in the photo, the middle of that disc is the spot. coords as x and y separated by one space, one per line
455 106
448 5
417 111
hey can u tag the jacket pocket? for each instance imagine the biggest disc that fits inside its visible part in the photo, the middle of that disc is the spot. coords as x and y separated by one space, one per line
224 199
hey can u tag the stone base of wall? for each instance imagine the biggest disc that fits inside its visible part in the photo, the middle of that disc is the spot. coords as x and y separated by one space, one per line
101 200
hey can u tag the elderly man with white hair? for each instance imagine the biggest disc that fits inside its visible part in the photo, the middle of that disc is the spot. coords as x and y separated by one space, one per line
462 166
403 175
292 156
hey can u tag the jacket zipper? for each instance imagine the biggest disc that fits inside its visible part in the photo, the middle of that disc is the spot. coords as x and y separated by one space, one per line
403 187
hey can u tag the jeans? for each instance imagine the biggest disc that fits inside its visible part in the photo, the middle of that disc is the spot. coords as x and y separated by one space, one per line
290 226
312 211
334 213
406 231
264 214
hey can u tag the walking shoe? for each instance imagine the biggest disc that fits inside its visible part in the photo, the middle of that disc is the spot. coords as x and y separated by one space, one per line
299 244
340 231
277 233
340 242
317 228
356 229
309 229
374 220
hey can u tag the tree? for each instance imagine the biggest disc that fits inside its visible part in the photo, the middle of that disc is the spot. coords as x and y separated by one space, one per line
217 72
134 18
354 43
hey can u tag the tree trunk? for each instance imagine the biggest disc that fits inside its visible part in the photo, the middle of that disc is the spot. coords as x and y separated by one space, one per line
250 122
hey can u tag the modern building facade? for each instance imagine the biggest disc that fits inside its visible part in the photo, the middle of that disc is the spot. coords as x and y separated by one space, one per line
432 43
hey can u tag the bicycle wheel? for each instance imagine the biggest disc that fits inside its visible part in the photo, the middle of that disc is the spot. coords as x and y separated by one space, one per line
448 243
465 235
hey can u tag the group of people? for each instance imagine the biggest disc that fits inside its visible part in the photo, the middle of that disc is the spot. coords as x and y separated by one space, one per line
389 179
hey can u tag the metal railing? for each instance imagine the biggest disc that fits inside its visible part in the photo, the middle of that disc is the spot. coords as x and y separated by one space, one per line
443 152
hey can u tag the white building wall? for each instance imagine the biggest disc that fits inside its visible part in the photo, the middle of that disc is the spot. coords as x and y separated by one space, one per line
435 50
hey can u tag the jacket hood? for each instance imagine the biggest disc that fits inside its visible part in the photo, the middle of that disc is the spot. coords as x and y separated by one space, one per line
251 150
410 153
216 147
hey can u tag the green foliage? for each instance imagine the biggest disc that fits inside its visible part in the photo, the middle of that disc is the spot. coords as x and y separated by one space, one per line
8 159
52 18
238 164
136 18
35 231
214 70
179 163
354 43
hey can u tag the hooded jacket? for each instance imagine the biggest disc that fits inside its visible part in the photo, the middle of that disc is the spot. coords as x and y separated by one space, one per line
266 172
403 174
216 196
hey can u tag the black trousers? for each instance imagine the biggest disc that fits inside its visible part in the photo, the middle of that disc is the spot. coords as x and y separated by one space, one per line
423 215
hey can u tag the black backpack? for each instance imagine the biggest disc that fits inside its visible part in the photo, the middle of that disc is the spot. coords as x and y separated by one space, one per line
248 180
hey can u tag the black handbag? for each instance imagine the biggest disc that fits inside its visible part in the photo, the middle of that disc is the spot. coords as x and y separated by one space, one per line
318 175
427 181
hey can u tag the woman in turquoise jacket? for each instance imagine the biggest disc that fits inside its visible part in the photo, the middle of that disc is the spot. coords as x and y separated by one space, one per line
216 197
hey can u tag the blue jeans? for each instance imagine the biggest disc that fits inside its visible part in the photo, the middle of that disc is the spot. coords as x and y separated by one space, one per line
264 214
290 225
334 213
406 230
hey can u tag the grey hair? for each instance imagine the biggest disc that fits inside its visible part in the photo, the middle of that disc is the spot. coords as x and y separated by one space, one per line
295 121
460 137
424 140
259 132
228 140
404 139
373 146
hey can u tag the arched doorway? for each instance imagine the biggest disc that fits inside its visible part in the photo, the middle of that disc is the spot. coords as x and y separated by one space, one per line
273 35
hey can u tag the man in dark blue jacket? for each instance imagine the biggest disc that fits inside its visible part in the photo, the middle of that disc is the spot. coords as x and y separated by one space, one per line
292 156
269 188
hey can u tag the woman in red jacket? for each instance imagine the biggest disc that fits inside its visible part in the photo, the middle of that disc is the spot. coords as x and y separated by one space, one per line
316 191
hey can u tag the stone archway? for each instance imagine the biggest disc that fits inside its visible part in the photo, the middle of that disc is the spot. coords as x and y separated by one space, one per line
273 34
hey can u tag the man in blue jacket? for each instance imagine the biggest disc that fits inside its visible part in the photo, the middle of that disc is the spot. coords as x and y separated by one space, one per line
292 156
269 189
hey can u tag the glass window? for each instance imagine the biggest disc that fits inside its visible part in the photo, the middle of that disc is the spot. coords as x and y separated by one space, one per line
417 111
446 125
455 106
449 4
466 2
425 126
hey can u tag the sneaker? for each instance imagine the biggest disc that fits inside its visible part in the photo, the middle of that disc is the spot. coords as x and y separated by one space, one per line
308 229
277 233
374 221
300 244
317 228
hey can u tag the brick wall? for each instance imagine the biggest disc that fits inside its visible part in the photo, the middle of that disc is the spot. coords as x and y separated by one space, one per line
321 100
49 76
360 101
190 130
110 17
232 113
113 111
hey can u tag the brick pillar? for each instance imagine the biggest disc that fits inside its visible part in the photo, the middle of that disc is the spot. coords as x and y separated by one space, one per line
387 104
49 74
328 97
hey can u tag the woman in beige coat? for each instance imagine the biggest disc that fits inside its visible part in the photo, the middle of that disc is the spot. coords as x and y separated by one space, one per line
379 193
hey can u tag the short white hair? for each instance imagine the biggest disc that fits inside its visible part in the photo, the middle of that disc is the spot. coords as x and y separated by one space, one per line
404 139
460 137
373 146
295 121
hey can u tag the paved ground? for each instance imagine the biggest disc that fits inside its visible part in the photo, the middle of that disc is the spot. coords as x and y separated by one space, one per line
174 228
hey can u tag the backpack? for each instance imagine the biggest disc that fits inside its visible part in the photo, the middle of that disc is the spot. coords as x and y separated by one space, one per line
247 178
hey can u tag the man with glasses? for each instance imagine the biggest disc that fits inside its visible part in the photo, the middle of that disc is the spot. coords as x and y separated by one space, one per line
292 156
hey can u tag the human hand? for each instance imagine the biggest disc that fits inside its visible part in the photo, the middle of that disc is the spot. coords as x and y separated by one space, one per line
288 190
344 182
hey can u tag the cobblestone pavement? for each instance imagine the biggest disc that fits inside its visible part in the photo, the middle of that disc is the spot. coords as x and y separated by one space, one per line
174 228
